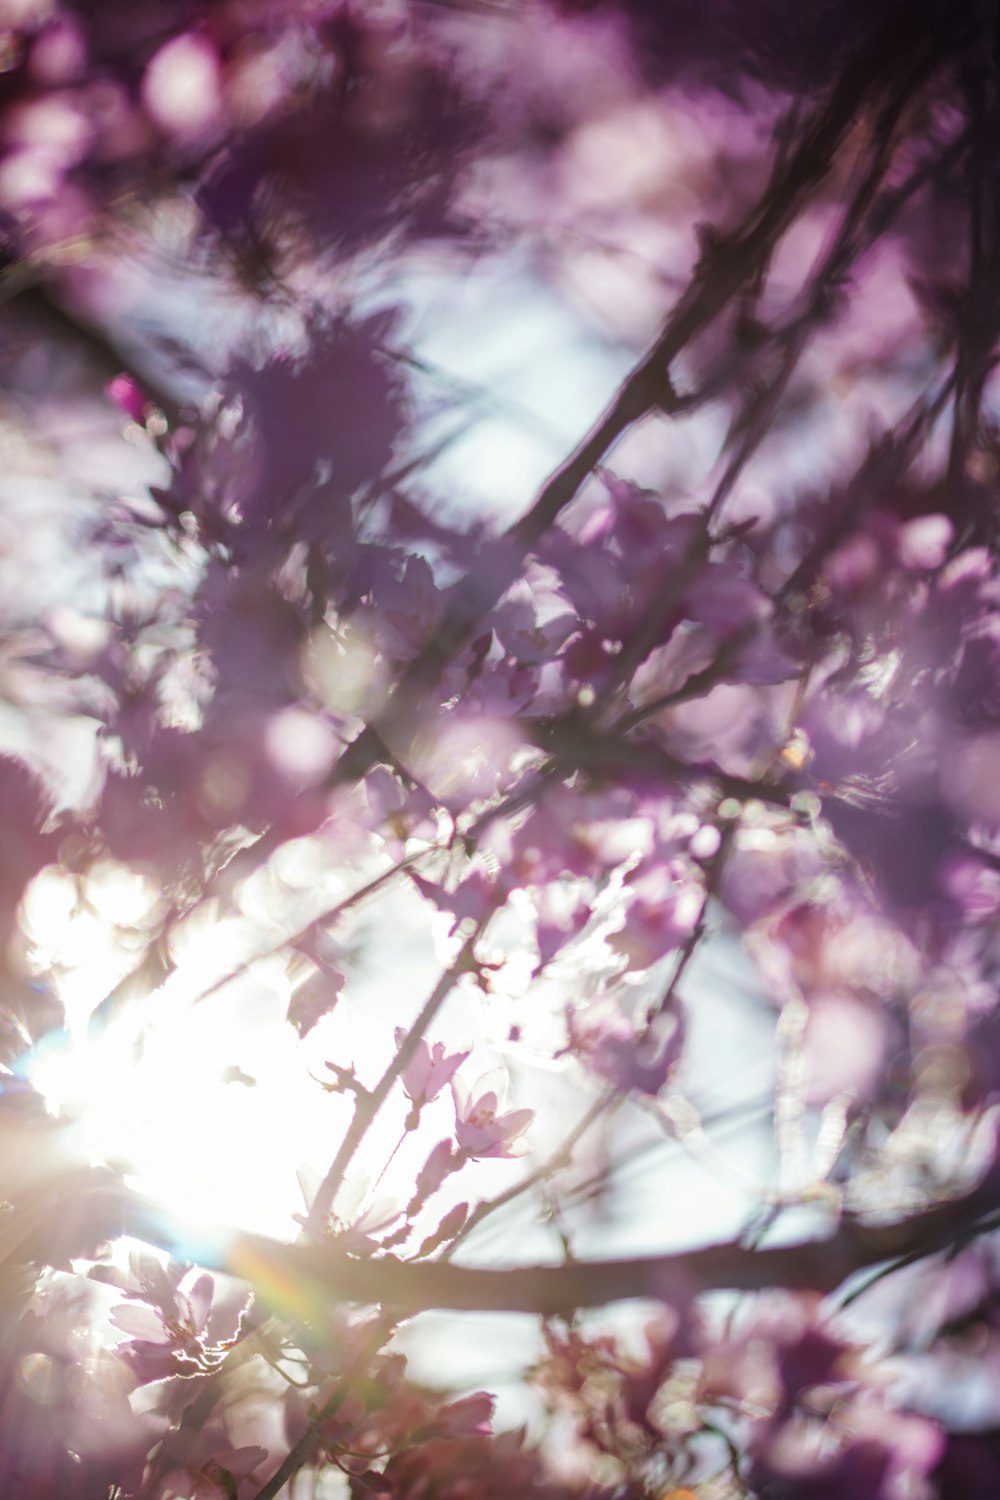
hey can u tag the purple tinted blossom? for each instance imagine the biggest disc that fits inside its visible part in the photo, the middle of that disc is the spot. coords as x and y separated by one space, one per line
481 1131
810 948
243 767
168 1331
58 52
725 601
320 426
66 1424
393 597
358 1220
866 563
845 1048
254 637
817 1428
561 914
974 691
471 754
453 1468
428 1071
981 1054
629 1055
637 573
590 656
567 832
472 900
387 1414
757 878
973 885
666 1342
185 1314
277 456
870 1453
776 1359
615 573
901 756
147 1278
735 726
149 818
126 393
664 909
204 1464
28 845
366 1230
272 137
69 1430
922 544
274 128
325 170
150 1360
765 659
520 632
398 813
469 1417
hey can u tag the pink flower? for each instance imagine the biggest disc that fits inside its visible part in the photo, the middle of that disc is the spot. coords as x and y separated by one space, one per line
206 1471
665 909
167 1318
168 1338
630 1056
129 396
474 899
428 1070
468 1417
357 1219
480 1131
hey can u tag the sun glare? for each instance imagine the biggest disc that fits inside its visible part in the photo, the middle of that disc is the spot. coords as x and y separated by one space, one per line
206 1105
201 1090
208 1138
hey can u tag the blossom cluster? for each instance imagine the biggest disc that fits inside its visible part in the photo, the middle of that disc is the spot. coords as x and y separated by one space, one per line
729 681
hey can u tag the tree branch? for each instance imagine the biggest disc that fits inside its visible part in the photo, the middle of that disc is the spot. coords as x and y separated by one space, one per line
733 260
324 1272
369 1104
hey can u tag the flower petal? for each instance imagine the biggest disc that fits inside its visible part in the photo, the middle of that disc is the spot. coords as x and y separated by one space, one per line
140 1322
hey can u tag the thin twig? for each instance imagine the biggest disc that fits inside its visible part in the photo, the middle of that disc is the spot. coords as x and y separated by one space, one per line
368 1105
733 260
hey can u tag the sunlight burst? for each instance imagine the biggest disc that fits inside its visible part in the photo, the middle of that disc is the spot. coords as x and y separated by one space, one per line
207 1106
